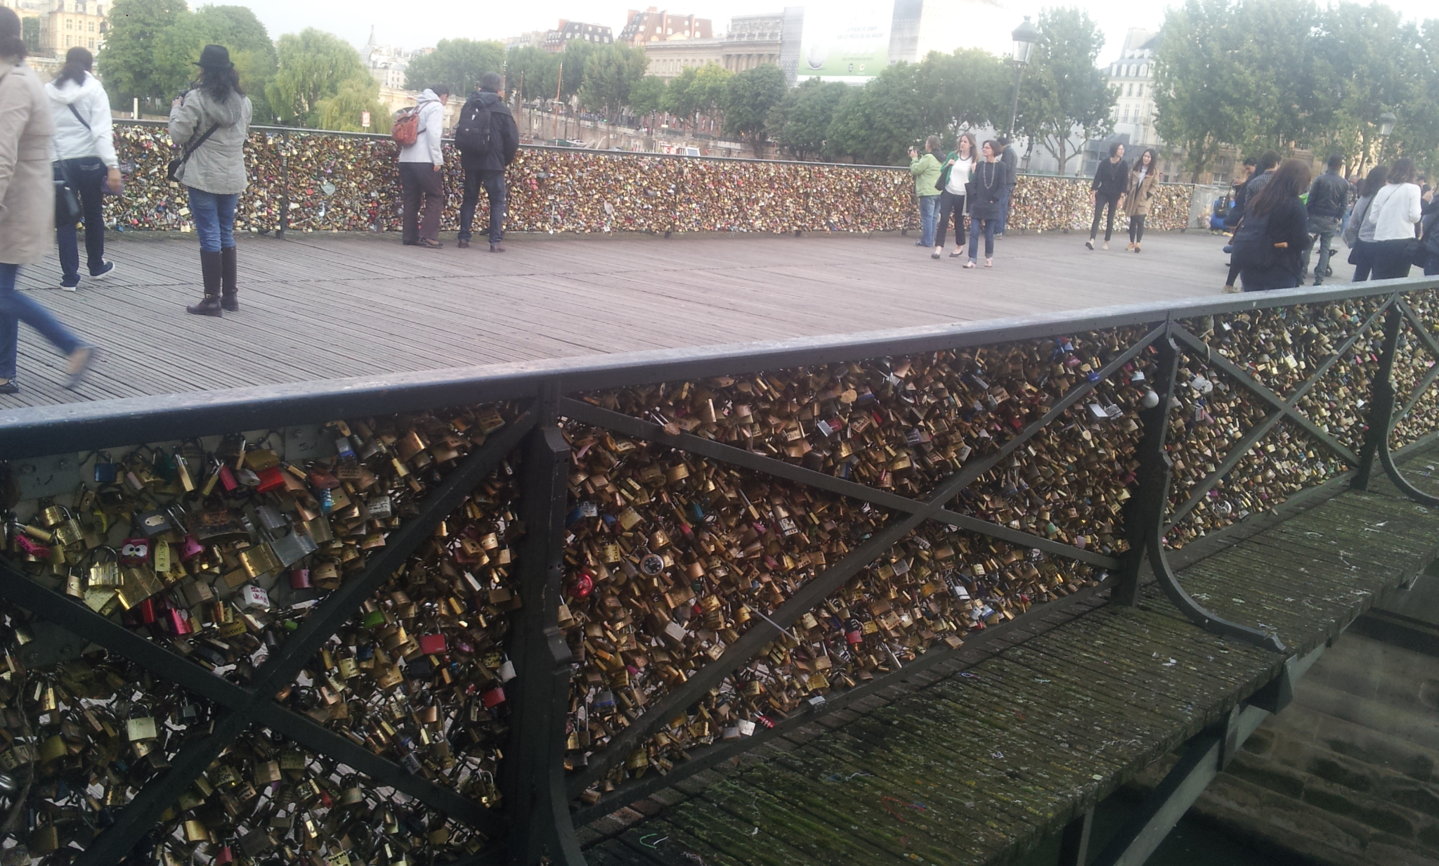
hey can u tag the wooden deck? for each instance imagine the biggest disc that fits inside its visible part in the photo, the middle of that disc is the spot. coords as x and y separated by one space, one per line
325 306
977 760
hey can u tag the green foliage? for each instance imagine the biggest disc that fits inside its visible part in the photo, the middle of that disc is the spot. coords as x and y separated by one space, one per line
30 33
1061 88
344 110
696 91
456 63
750 97
963 90
647 95
573 61
128 60
234 27
800 123
313 66
876 123
610 75
533 72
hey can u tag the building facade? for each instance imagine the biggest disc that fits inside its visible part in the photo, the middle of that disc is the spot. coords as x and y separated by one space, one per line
1132 77
576 31
654 25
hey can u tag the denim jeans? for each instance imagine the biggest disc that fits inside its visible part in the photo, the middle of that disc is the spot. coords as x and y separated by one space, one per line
1005 198
87 176
214 216
16 308
494 183
928 216
979 226
1324 229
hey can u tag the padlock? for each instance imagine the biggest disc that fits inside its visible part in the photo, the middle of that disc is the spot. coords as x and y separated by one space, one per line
140 727
135 551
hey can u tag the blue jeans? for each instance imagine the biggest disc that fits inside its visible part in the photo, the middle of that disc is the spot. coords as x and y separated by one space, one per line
214 215
928 216
976 226
16 308
494 183
87 176
1004 199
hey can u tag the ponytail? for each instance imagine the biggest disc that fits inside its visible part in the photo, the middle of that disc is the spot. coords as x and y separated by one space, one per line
78 61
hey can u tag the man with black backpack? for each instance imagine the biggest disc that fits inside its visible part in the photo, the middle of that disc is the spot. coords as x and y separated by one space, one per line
487 139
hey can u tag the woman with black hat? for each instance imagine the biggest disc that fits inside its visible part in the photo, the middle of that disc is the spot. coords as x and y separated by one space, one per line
210 122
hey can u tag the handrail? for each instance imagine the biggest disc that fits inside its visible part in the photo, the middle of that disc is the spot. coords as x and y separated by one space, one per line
618 434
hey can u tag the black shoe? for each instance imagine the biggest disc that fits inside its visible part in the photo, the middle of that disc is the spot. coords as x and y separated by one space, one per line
208 306
497 248
462 244
430 244
106 267
411 243
230 303
1089 244
9 387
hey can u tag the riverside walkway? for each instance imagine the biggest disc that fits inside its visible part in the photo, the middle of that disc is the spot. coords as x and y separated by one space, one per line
322 306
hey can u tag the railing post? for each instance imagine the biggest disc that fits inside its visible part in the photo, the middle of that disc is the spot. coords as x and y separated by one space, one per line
534 774
1150 485
1381 404
284 185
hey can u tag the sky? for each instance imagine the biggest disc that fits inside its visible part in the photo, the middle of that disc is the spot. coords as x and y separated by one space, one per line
420 23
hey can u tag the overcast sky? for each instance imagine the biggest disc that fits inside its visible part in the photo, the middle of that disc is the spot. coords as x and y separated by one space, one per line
418 23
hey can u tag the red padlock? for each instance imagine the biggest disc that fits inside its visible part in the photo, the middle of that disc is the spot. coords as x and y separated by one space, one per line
271 478
432 644
135 551
299 578
493 696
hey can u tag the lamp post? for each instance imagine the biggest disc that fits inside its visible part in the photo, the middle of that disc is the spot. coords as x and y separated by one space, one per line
1024 36
1386 126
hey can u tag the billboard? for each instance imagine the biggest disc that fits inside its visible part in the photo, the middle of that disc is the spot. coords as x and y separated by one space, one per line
849 44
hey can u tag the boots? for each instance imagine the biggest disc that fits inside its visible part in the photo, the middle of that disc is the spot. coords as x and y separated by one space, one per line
227 281
210 270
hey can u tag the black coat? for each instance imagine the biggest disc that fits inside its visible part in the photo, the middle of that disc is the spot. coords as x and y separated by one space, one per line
1261 265
1111 179
503 126
989 184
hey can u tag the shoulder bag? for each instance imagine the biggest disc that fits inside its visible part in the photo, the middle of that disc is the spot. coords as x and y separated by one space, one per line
172 171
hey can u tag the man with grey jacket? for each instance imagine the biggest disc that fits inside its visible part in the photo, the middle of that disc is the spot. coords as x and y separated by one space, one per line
422 173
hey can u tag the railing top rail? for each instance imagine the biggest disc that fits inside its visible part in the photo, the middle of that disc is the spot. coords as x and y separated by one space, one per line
48 430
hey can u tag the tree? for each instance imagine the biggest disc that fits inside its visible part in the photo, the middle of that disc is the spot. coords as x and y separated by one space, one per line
1199 72
750 97
234 27
800 123
710 88
533 72
128 58
647 95
344 110
610 74
1062 89
963 90
877 123
573 61
313 65
457 63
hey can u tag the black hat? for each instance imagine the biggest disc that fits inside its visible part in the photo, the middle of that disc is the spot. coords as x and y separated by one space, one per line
214 57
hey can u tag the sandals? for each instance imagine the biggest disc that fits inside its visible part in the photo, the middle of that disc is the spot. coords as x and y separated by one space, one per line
957 253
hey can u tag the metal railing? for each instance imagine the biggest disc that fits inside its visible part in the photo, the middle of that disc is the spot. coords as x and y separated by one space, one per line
492 604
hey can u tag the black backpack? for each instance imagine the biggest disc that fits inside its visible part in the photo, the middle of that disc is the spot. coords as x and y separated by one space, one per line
475 132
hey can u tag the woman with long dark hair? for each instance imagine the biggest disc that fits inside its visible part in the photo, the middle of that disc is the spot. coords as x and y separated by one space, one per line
954 180
27 206
210 122
1143 180
1270 242
1393 215
1111 179
1358 235
85 158
988 190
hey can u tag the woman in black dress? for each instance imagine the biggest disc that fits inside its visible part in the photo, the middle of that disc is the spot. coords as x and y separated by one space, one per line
990 177
1271 240
1111 180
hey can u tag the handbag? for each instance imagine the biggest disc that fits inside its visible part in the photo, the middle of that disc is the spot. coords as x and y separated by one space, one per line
67 202
172 169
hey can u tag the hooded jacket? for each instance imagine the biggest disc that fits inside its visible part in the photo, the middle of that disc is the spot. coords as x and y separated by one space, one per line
218 165
72 139
428 144
27 189
502 126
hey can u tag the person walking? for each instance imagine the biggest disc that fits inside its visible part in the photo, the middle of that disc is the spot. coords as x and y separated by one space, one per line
1271 239
1111 180
1010 157
954 178
85 158
27 207
1143 180
1395 214
1265 167
422 178
485 153
211 121
1358 235
925 167
1328 197
987 194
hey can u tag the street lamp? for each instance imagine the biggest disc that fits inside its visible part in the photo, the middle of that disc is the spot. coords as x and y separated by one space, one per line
1024 36
1386 126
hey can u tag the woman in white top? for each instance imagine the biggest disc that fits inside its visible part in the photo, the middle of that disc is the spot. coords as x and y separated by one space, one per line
1394 214
953 180
85 157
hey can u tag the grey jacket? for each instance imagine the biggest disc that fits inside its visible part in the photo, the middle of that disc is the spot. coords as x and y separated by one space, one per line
218 165
27 189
